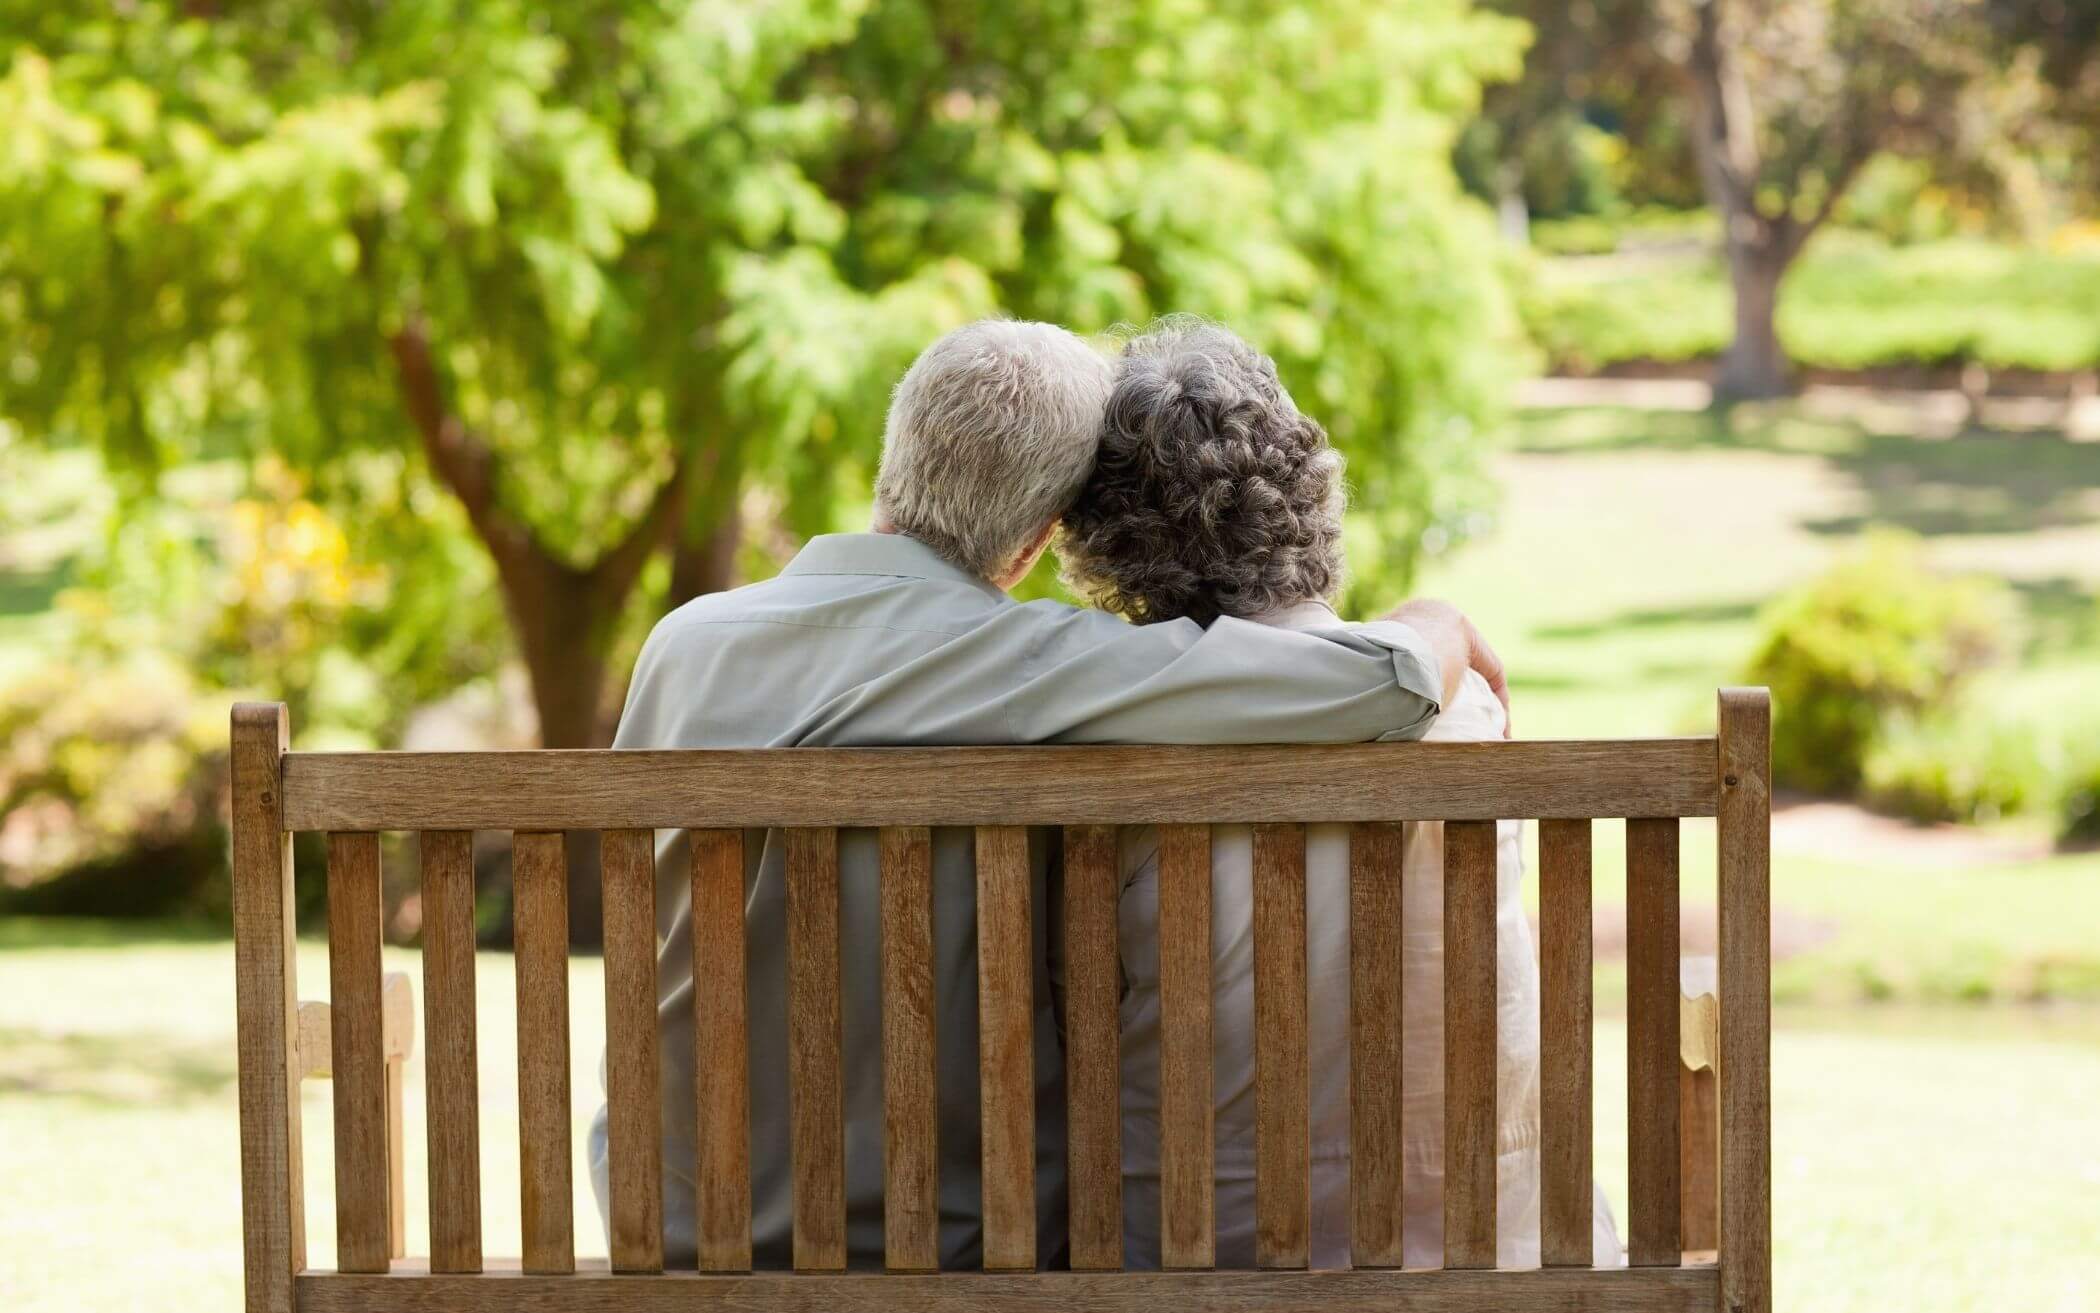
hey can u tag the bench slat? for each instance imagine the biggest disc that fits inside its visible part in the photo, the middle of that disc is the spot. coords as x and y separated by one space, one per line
817 1132
266 1003
1282 1127
586 789
722 1052
1374 1045
1621 1290
357 1060
634 1120
1652 1034
1744 1069
1093 969
1566 1106
911 1213
540 941
1006 1047
1188 1237
1470 1005
451 1081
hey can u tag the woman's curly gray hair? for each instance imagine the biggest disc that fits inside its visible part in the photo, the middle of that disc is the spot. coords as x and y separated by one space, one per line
1212 494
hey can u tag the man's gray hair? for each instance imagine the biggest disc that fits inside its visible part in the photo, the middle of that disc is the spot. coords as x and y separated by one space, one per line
990 434
1212 494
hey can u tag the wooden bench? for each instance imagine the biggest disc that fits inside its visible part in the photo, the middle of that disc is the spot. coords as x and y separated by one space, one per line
811 792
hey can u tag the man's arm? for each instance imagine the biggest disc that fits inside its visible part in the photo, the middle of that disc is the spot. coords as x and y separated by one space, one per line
1095 679
1458 646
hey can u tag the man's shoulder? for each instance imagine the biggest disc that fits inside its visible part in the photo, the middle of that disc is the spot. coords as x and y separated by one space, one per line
827 602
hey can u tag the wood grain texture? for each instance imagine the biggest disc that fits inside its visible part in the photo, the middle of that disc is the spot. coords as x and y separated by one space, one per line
1566 1103
816 1116
1374 1045
540 947
1282 1117
266 1004
633 1068
1093 1039
911 1204
451 1086
358 1054
1548 1290
788 787
1470 1004
722 1052
1652 1044
1745 1071
1699 1129
315 1041
1006 1047
1188 1231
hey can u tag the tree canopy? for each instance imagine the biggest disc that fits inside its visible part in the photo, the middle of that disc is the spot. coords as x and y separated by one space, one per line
599 270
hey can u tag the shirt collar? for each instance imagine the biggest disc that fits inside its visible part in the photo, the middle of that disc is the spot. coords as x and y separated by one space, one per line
1311 614
883 554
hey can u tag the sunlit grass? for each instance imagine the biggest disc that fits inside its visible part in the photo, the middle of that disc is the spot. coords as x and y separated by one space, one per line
1924 1158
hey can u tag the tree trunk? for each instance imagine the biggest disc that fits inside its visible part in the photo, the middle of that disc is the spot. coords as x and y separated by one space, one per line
1724 141
562 623
705 559
1755 366
562 616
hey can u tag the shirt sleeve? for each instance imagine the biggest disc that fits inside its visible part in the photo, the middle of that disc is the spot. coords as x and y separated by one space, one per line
1091 678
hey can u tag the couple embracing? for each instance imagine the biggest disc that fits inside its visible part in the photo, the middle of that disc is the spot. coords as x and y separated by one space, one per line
1200 511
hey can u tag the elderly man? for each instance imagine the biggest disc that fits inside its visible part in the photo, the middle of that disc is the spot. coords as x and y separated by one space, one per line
905 635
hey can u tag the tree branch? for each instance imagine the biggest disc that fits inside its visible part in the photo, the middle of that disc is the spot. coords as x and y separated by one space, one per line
1859 149
616 570
456 453
1724 129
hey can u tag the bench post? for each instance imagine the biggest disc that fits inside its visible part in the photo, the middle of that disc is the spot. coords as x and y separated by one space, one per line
1744 1073
273 1229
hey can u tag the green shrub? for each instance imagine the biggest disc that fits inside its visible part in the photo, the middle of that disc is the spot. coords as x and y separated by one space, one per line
1879 638
2078 809
1960 769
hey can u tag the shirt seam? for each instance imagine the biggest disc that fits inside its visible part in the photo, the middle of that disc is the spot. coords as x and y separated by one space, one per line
811 624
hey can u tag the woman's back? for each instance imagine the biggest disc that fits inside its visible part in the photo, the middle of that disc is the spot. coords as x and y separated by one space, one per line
1476 714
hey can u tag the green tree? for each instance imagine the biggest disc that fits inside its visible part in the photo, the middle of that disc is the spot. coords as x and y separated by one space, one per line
1784 102
599 268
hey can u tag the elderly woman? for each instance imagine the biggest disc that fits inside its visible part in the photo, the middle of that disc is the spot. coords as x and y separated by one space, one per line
1214 496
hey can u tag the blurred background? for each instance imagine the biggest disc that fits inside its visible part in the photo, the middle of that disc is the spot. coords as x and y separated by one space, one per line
405 362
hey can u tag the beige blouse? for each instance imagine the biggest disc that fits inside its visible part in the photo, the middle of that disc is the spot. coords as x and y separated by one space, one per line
1474 715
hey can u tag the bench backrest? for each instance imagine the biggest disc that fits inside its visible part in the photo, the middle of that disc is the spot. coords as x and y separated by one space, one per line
1088 791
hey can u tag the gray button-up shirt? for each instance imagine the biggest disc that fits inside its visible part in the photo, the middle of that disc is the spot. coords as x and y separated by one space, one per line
875 640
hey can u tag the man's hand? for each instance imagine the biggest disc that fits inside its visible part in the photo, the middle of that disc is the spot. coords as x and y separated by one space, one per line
1458 647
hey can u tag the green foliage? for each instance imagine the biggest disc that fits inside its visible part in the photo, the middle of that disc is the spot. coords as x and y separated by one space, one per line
2078 813
112 739
1964 768
1853 301
560 253
1879 637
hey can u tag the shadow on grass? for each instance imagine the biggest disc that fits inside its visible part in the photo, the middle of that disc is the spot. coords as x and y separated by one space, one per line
121 1070
1703 613
20 933
2063 615
1980 482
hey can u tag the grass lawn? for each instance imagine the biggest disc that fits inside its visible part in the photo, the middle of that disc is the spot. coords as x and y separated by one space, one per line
1924 1159
1852 301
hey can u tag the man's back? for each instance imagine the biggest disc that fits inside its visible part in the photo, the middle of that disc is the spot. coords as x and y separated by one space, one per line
873 639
